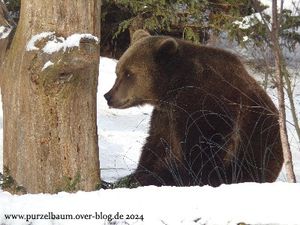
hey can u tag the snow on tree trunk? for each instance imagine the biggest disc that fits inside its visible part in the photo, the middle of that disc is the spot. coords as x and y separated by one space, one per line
49 97
288 161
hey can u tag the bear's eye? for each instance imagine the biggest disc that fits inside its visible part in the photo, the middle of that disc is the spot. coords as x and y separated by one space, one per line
128 75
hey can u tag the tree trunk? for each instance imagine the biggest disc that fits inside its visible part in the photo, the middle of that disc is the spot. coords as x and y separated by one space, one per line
50 132
288 161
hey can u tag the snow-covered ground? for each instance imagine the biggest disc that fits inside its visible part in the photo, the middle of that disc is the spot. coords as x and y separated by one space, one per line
227 205
121 136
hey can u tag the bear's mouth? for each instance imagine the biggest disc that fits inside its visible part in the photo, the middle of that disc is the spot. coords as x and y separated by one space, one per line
122 105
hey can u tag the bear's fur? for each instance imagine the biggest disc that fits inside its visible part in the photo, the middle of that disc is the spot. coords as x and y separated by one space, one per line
212 123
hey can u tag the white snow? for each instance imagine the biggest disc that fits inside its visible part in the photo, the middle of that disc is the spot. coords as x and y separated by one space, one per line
38 37
248 21
227 205
47 64
245 38
4 31
55 44
121 136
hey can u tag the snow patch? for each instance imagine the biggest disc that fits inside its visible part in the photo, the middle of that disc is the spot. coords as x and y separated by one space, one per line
31 44
4 32
47 64
56 44
247 203
248 21
245 38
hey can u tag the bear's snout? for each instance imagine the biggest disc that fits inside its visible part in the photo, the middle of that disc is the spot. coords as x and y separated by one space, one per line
114 100
108 97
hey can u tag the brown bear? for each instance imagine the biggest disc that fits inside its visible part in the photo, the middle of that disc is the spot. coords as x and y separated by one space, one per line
212 123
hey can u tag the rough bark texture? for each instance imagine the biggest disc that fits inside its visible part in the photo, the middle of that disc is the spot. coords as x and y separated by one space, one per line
288 161
50 132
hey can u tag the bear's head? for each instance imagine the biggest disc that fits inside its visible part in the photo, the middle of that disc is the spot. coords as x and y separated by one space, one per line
141 71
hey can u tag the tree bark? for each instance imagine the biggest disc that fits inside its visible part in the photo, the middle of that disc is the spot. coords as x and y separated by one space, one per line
288 161
50 131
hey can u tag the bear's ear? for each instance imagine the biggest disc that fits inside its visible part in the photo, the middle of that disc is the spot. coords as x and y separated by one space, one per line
167 48
139 34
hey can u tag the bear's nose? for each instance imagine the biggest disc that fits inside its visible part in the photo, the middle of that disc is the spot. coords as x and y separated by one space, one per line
107 96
